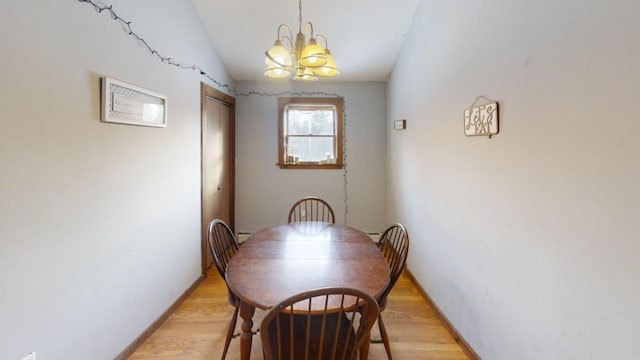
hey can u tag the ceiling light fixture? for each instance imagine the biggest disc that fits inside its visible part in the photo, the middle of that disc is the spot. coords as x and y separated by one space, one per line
306 60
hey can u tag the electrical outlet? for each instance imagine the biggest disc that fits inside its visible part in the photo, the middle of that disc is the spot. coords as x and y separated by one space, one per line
31 356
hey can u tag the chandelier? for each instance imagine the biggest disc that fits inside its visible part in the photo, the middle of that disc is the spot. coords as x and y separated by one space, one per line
306 60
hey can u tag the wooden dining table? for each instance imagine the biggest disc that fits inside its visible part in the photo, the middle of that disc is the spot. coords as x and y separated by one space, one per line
283 260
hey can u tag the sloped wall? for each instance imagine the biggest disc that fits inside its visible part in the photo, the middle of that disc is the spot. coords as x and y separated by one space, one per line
528 242
100 223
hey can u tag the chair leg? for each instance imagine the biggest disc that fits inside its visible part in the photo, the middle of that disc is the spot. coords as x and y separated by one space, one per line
232 328
385 338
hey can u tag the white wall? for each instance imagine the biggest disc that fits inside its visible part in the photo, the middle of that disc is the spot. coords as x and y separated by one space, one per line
265 193
529 241
99 223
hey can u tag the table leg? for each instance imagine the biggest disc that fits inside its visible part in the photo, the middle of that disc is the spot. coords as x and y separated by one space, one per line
246 313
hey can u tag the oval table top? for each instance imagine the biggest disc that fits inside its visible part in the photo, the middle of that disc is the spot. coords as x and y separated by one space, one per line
283 260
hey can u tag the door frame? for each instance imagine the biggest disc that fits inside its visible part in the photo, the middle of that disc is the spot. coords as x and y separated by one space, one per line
206 91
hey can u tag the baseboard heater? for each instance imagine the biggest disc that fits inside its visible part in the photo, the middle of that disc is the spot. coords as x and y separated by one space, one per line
243 235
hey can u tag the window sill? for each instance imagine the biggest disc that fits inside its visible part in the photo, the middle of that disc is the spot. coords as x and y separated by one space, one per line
310 166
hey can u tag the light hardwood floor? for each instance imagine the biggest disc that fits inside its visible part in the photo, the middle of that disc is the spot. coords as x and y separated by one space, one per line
197 329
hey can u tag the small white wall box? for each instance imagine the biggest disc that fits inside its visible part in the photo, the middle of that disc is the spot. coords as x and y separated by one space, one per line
127 104
400 124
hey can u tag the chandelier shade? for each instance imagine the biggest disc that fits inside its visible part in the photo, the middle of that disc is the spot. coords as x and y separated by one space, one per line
278 55
278 61
277 72
305 74
312 55
329 68
306 60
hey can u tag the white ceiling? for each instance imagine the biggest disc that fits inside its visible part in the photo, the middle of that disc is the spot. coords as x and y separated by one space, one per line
364 36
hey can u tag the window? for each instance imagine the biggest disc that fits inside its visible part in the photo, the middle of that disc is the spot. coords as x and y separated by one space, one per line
310 133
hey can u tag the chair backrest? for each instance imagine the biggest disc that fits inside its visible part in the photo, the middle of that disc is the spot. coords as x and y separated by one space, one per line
222 244
311 209
394 246
327 323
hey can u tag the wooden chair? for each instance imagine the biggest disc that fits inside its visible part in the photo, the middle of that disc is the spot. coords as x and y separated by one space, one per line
326 323
311 209
394 246
223 246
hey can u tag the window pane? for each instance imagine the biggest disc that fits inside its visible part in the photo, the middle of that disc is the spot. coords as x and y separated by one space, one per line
311 149
309 129
310 122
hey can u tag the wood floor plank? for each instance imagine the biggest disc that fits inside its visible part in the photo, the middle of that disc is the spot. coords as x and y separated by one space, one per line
197 329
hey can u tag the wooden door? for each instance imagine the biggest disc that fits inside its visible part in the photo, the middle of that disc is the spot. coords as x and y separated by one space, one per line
217 156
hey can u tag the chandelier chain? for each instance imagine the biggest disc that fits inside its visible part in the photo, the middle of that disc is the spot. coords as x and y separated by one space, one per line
300 15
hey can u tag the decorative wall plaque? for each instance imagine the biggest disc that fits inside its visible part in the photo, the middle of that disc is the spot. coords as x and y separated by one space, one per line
481 120
127 104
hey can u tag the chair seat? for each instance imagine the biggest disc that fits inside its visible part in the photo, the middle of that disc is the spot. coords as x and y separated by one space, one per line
326 323
382 303
300 331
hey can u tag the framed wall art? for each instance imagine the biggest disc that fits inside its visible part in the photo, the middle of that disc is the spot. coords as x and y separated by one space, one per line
124 103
